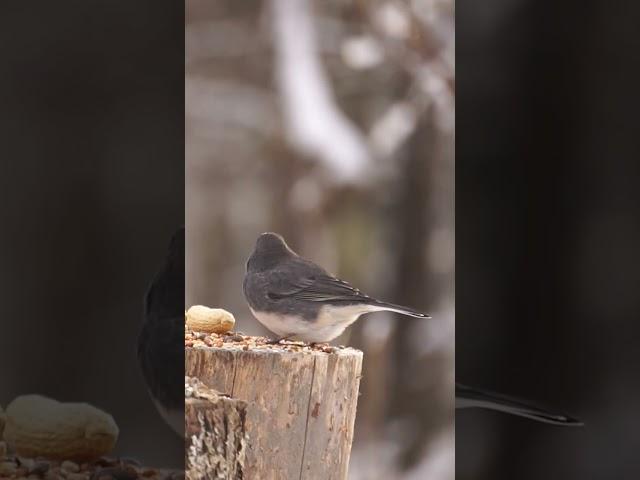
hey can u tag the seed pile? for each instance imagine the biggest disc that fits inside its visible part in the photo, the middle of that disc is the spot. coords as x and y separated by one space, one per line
238 340
14 467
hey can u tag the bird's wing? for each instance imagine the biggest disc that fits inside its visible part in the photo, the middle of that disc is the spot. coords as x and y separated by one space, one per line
302 280
328 288
314 286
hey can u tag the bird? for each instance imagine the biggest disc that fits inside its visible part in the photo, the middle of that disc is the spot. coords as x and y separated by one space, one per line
160 343
469 397
297 299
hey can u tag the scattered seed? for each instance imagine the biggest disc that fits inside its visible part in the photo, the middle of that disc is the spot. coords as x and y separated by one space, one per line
21 472
27 463
8 468
77 476
117 473
39 468
70 466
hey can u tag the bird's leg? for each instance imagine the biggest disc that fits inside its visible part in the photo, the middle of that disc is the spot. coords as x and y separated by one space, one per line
278 340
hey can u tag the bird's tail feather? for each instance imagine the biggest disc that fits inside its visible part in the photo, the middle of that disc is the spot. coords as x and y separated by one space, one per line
467 397
391 307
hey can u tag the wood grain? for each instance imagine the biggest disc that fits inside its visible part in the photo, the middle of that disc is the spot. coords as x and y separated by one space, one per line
301 406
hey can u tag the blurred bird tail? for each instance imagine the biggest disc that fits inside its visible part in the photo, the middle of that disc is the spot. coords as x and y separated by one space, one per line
467 397
399 309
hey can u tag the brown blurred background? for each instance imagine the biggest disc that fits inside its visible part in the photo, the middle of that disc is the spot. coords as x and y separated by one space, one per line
332 123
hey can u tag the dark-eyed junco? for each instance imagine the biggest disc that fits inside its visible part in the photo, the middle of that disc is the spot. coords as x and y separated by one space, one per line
295 298
467 397
161 340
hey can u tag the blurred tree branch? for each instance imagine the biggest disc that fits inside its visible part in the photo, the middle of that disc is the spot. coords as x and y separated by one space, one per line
313 121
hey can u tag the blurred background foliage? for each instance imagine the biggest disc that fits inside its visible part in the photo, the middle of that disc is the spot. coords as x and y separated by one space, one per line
332 123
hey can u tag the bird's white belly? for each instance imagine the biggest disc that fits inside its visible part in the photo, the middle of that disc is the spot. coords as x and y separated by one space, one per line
173 418
331 322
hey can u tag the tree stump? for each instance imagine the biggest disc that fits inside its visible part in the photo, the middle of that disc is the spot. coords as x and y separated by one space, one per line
215 435
300 402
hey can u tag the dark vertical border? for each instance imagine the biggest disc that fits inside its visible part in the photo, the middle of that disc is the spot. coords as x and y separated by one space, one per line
92 182
548 210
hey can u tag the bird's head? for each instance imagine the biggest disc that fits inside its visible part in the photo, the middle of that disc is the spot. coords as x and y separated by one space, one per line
270 248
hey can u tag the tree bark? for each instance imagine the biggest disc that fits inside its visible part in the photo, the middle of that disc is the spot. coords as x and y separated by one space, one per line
301 405
215 433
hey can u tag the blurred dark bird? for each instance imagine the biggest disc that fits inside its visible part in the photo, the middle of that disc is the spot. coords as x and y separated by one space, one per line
467 397
161 340
295 298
